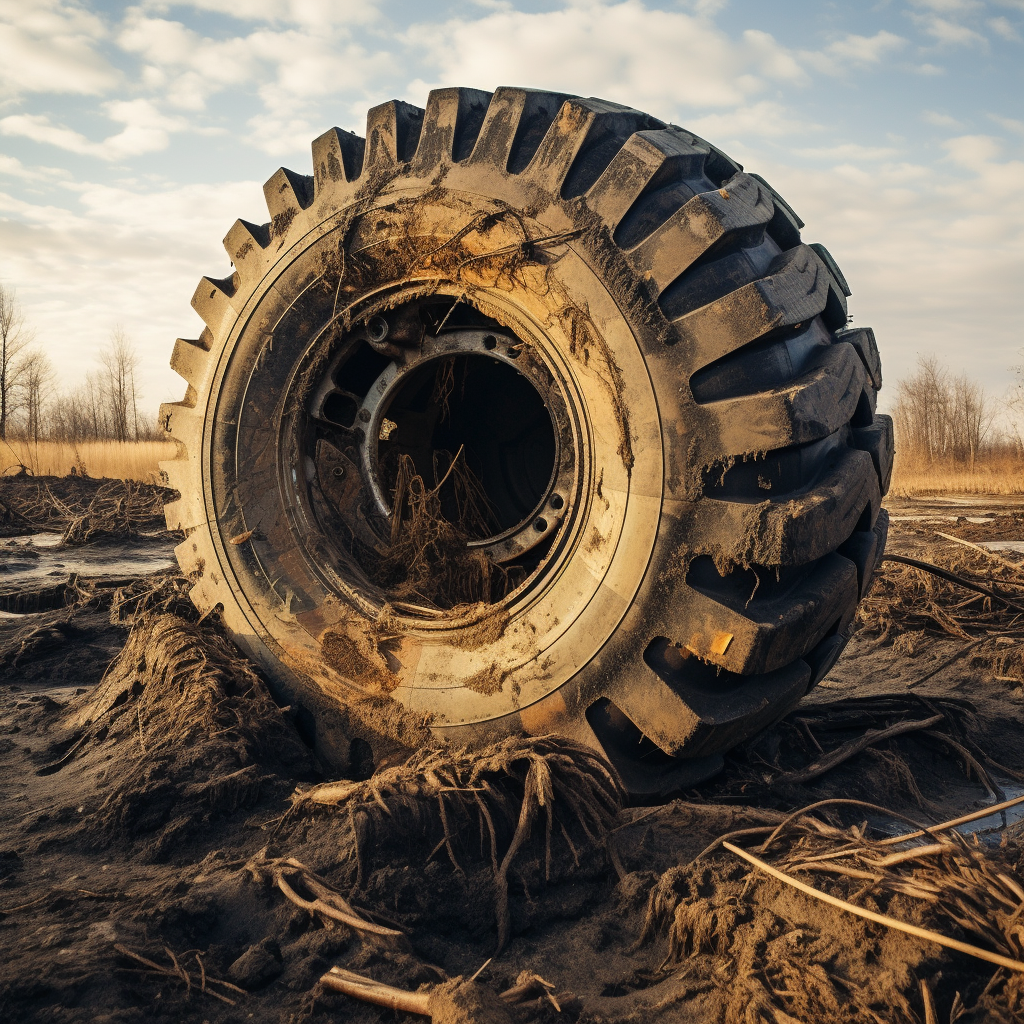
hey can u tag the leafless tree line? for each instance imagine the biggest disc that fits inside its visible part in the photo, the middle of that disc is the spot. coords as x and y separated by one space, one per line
104 407
944 419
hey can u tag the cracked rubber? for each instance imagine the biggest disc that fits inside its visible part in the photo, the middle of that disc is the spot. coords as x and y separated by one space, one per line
726 515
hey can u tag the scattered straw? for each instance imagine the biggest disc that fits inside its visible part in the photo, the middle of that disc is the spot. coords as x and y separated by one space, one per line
870 915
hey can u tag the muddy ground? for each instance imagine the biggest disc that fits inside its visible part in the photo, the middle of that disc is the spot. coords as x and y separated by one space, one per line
147 780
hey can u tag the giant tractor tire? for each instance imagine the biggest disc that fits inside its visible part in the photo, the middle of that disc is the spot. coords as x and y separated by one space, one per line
530 414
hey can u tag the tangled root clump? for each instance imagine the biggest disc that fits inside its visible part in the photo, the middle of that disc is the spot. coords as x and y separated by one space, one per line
427 558
502 789
88 512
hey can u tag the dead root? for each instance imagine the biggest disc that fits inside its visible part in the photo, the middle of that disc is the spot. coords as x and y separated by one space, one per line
159 593
176 971
454 1001
826 735
290 875
426 559
116 509
501 789
188 724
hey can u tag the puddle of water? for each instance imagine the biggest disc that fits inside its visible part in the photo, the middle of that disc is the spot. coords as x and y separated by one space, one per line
1003 545
939 517
37 558
988 829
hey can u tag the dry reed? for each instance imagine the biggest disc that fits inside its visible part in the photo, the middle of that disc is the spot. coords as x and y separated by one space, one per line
783 971
906 600
115 509
993 474
131 460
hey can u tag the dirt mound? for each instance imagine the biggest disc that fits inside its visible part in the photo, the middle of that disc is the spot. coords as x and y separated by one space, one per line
192 731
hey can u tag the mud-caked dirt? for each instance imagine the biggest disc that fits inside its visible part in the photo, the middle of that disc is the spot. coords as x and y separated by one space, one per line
155 796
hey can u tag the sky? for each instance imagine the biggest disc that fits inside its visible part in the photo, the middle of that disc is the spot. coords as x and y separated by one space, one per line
133 135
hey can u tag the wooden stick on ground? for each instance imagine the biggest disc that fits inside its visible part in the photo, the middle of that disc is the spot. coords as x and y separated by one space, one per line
1015 566
370 991
870 915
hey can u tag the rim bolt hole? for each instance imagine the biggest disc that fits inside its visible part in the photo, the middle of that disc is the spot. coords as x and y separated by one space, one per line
490 342
364 415
540 525
556 501
376 329
513 351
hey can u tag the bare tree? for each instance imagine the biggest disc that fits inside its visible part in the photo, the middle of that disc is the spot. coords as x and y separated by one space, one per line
942 418
14 336
120 364
35 382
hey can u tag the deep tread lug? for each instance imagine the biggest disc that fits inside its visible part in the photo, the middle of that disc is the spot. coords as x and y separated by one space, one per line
212 301
190 359
245 245
287 195
877 440
711 217
795 290
337 159
444 117
791 530
575 121
725 709
392 134
508 108
811 407
767 635
642 158
863 340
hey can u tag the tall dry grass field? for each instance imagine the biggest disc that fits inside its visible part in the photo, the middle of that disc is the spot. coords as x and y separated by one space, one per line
993 473
124 460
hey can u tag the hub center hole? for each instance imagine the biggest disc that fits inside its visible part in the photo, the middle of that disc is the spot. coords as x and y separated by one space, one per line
478 428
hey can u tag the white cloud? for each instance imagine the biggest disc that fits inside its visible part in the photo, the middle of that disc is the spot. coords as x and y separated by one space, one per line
290 69
933 253
929 69
971 150
311 13
950 6
1011 124
145 131
949 33
48 46
665 62
1003 27
120 255
765 119
12 167
940 120
850 151
854 50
